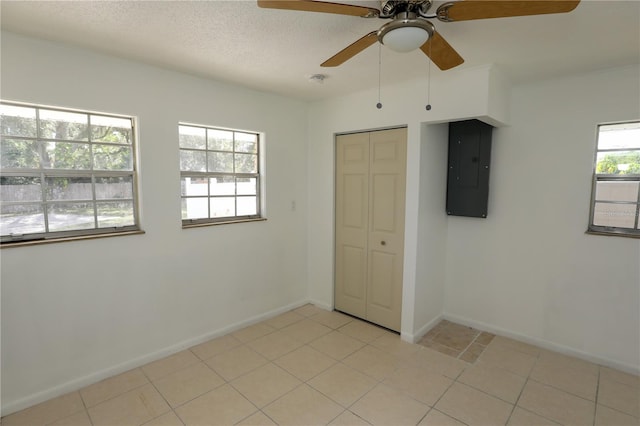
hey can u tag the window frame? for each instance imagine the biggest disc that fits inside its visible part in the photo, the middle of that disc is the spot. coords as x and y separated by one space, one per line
258 175
43 174
613 230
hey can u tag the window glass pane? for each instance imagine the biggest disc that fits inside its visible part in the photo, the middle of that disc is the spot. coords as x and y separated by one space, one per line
18 121
192 137
618 163
111 129
21 154
224 185
619 136
191 186
615 215
228 154
246 186
21 219
112 157
246 163
220 140
220 162
115 214
66 155
193 161
69 188
114 187
63 125
70 216
20 188
617 191
247 206
195 208
246 142
223 207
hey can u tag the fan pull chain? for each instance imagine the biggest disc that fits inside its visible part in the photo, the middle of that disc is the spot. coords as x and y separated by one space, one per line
379 104
428 107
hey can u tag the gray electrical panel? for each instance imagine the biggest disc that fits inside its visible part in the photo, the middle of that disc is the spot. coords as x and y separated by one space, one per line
469 166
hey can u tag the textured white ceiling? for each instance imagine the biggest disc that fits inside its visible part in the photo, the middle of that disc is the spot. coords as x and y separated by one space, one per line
276 50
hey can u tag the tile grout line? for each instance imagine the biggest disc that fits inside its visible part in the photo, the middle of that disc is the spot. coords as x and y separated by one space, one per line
303 344
115 396
595 405
225 381
163 398
454 381
469 345
84 404
528 377
515 405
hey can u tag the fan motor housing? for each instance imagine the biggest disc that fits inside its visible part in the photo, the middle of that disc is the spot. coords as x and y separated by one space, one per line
391 8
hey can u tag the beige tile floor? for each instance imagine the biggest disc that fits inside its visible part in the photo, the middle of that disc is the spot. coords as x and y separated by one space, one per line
309 366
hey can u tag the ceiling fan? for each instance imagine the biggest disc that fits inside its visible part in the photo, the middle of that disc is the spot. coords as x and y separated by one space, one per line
410 27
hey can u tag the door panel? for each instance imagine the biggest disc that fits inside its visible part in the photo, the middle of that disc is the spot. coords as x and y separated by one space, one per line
354 260
385 150
352 217
381 272
354 199
387 174
383 211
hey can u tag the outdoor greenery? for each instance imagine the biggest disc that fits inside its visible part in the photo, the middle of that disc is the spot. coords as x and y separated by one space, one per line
619 163
217 151
71 149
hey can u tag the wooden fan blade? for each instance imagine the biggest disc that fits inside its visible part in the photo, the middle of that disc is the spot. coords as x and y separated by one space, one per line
352 50
485 9
441 52
320 6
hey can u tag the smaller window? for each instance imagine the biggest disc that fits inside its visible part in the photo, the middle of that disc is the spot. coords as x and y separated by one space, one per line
219 173
615 200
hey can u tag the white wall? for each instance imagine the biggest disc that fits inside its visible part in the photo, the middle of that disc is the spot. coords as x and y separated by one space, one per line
431 252
455 95
75 312
529 270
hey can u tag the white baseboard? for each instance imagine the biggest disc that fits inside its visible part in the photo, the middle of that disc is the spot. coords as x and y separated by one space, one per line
73 385
415 337
321 305
545 344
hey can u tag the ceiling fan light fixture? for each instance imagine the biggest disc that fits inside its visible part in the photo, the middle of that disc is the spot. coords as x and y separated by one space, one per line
405 35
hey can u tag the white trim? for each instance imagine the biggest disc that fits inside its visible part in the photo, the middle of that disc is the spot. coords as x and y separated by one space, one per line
321 305
545 344
415 338
73 385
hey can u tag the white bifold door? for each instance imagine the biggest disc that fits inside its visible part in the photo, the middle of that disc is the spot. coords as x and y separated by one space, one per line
369 234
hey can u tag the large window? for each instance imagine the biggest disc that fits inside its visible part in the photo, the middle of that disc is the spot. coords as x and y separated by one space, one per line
65 173
616 180
220 179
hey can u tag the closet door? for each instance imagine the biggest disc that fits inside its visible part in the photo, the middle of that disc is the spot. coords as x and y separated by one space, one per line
370 200
352 217
387 177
